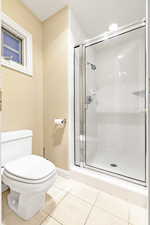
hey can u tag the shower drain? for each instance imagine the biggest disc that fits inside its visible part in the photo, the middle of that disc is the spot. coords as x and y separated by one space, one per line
113 165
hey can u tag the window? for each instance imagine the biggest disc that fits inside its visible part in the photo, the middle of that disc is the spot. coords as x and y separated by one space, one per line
11 47
16 46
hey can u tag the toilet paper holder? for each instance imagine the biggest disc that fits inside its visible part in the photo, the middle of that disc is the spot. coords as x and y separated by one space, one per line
60 123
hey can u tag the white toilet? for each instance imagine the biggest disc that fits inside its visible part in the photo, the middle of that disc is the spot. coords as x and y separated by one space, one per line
28 176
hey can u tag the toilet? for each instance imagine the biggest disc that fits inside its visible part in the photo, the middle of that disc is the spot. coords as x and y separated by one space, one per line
28 176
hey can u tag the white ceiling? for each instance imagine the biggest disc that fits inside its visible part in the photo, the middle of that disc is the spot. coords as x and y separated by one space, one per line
94 15
45 8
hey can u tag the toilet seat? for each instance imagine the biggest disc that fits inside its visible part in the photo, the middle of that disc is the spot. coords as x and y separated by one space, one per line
28 181
31 169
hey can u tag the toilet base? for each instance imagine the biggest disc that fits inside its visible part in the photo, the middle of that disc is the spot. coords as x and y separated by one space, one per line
26 205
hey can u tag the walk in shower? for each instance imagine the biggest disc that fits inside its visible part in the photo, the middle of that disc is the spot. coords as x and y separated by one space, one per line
110 97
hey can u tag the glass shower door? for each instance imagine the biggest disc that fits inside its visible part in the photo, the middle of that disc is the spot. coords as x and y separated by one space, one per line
115 105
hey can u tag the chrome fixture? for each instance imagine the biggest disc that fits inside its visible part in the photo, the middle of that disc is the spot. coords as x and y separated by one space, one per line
93 67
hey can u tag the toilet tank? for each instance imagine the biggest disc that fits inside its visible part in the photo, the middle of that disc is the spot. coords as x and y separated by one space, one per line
15 144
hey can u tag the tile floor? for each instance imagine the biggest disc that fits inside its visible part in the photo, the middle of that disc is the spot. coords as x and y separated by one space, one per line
69 202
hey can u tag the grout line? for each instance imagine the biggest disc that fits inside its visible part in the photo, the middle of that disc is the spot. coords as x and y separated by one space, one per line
112 214
69 192
56 220
49 215
128 214
93 204
66 194
91 210
44 220
61 189
60 200
75 196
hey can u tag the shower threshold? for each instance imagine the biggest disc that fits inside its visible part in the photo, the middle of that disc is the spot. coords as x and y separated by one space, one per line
132 192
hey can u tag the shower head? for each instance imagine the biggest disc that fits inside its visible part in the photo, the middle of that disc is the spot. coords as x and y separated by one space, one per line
93 67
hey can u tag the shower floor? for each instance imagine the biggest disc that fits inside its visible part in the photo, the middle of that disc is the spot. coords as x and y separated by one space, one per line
125 166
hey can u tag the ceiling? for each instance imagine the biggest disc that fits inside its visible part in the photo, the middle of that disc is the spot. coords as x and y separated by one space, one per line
94 15
45 8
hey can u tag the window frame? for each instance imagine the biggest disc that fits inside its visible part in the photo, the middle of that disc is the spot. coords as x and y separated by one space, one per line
4 45
26 37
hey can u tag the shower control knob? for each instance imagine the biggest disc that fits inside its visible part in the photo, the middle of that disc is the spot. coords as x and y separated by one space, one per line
88 99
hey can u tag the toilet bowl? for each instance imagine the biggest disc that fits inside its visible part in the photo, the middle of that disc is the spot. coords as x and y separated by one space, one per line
29 177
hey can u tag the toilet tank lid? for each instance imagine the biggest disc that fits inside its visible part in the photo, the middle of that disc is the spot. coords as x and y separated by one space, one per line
14 135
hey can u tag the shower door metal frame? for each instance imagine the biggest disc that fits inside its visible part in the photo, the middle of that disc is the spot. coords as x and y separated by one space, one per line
148 100
82 73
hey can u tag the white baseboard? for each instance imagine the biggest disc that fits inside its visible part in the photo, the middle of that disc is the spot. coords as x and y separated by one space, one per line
63 172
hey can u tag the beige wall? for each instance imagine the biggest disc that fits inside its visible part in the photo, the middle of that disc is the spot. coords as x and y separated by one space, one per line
56 34
23 95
